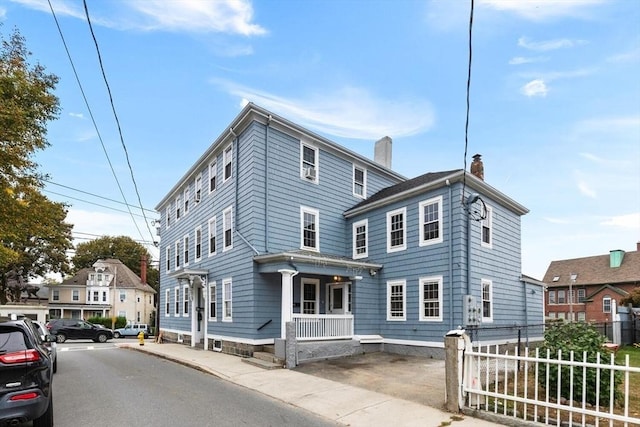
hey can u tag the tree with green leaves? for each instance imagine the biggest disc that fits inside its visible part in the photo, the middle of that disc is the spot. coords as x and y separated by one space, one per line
33 235
123 248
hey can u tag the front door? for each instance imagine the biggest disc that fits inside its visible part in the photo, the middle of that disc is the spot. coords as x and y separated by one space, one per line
338 298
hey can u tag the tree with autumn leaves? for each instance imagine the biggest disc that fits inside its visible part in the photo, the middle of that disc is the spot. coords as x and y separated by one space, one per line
33 233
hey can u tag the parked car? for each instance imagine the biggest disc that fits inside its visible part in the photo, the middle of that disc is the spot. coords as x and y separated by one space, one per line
49 341
78 329
26 375
132 330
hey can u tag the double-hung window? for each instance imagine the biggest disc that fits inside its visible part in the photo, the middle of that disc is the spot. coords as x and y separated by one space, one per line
396 300
213 170
582 295
75 295
431 298
359 182
176 304
185 300
167 256
167 303
177 253
396 230
308 163
212 236
185 246
187 196
178 207
212 301
430 213
309 233
227 312
360 239
562 297
487 300
606 304
227 225
198 244
167 215
228 163
552 297
55 296
486 226
198 189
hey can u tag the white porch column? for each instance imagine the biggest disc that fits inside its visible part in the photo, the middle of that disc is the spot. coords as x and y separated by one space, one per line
287 300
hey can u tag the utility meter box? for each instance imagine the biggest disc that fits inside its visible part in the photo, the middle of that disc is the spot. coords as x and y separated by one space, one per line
471 311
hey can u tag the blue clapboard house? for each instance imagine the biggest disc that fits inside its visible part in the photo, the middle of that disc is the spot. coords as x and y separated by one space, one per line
275 225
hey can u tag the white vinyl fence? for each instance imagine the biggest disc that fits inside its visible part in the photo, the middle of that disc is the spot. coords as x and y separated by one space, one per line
547 389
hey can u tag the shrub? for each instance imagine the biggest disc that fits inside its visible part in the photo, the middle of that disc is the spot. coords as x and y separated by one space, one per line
121 322
579 337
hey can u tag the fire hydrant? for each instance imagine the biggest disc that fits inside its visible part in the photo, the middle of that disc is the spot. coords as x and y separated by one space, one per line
141 338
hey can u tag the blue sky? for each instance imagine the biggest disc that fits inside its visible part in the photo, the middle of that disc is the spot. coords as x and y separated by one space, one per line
554 99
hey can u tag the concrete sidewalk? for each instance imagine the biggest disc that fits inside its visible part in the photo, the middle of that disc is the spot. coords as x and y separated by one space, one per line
344 404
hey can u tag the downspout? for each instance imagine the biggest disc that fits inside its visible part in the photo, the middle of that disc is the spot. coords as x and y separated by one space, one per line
266 185
526 312
470 200
450 228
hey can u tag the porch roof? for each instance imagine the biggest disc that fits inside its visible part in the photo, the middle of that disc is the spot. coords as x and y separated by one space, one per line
315 263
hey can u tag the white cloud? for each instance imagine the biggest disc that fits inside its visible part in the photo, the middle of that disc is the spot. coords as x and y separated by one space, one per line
192 16
557 220
546 45
349 112
586 190
542 10
629 221
3 13
535 88
624 57
519 60
77 115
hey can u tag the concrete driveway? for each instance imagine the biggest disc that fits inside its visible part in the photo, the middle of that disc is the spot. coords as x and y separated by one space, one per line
413 378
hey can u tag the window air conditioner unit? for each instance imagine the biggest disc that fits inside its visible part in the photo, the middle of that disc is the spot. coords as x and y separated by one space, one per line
197 198
310 173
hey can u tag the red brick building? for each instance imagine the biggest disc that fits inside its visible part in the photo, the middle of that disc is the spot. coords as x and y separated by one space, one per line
585 288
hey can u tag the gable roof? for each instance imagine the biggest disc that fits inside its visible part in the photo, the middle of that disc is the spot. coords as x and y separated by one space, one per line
429 181
594 270
126 278
605 288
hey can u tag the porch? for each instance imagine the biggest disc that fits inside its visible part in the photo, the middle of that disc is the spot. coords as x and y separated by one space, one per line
314 327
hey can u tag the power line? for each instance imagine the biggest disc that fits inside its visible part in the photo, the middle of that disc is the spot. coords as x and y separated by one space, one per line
90 203
96 195
115 115
95 125
466 125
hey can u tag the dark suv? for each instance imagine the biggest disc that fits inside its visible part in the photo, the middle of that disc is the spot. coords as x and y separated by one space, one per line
78 329
25 375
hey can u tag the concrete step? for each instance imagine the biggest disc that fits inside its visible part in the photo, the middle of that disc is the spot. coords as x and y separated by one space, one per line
269 348
262 363
267 357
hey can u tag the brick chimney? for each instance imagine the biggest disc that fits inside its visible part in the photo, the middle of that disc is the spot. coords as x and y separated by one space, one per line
143 269
477 168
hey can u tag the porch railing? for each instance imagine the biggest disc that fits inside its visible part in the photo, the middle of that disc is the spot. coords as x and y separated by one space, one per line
311 327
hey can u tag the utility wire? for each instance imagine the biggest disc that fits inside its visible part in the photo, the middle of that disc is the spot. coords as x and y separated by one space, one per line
95 195
90 203
115 115
95 125
466 124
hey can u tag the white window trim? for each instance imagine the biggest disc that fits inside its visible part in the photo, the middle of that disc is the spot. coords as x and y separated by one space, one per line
226 247
213 166
403 284
423 281
176 304
364 182
178 207
316 213
176 255
421 205
316 283
185 301
185 200
167 303
186 258
211 227
167 216
197 241
226 318
197 186
167 254
488 221
607 298
354 235
403 211
213 316
316 152
483 282
227 149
